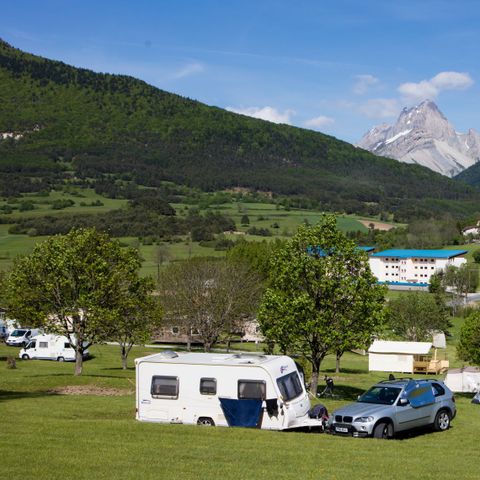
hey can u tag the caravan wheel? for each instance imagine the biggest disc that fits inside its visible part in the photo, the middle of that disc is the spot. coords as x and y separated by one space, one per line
206 422
60 359
25 357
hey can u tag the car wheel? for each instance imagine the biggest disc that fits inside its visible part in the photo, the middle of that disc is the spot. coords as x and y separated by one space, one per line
60 359
442 421
383 430
25 357
206 422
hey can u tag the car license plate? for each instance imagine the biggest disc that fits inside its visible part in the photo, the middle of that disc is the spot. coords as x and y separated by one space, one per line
341 429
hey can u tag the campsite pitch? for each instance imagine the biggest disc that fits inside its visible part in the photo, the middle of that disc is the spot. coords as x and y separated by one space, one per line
84 427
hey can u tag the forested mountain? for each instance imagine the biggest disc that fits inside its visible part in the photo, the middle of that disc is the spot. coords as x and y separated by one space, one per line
470 175
58 121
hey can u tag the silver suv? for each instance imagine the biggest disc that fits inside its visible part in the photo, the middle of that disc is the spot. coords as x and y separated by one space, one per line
395 406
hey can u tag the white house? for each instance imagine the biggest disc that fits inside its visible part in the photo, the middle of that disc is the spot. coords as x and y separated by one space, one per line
404 357
413 267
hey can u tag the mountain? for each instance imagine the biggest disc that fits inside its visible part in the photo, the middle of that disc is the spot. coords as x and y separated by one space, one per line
60 123
423 135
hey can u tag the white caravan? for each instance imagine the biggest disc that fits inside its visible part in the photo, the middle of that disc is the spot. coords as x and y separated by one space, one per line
21 336
49 347
263 391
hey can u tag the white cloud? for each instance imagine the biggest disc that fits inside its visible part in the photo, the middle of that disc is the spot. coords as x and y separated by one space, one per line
319 122
380 107
189 69
363 83
430 89
270 114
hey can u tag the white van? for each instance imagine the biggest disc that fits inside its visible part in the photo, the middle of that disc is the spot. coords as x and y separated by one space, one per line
21 336
263 391
49 347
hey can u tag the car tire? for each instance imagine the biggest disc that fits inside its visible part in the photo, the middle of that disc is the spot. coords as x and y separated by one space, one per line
206 422
25 357
60 359
383 430
442 421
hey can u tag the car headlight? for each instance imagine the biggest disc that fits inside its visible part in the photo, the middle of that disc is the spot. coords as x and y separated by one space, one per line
363 419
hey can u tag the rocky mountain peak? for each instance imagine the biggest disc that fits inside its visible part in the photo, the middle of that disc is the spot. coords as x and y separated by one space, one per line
423 135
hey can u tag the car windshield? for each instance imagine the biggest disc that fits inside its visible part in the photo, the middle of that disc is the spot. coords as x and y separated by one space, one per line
18 333
381 395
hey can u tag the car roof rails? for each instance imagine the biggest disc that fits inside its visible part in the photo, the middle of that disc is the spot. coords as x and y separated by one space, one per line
396 380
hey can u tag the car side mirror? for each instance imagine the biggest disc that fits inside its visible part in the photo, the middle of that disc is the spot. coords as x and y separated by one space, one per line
402 402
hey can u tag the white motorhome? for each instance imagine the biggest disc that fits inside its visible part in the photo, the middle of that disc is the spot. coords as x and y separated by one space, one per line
263 391
21 336
49 347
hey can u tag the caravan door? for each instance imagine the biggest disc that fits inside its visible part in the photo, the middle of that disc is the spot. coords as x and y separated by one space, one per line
293 394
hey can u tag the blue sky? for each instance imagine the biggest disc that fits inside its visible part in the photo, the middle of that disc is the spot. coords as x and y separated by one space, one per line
339 66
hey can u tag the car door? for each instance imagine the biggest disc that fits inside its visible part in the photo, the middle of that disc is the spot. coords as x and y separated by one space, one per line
415 405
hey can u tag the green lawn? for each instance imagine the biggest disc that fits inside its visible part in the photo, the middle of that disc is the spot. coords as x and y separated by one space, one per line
91 436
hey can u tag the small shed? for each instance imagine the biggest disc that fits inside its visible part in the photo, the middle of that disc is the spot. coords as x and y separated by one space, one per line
405 357
465 379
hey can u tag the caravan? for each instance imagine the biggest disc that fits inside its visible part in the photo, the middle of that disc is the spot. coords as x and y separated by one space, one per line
49 347
263 391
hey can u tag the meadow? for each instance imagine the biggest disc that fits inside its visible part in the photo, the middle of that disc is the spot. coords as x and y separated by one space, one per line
49 435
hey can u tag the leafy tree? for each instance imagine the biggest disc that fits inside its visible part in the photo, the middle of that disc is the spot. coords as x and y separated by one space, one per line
415 316
74 285
137 317
209 297
468 348
476 255
461 280
321 288
245 220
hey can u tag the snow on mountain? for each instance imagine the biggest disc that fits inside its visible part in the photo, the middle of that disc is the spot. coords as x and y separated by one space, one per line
423 135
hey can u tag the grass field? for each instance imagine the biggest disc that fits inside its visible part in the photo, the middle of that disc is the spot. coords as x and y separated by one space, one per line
53 436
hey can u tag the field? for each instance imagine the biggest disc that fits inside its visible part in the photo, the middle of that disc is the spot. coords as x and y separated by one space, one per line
282 223
47 435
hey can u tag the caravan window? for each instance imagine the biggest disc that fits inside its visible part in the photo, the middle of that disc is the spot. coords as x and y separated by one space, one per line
42 344
164 387
290 386
208 386
251 389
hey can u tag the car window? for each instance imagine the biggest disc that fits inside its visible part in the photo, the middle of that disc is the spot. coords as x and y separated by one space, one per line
383 395
437 389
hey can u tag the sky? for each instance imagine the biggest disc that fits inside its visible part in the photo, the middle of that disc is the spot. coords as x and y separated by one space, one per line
339 67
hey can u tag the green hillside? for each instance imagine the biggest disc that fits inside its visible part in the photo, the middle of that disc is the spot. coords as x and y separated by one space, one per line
59 122
471 175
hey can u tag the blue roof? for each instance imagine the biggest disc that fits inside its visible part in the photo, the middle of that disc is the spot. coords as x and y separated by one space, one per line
321 252
366 249
401 253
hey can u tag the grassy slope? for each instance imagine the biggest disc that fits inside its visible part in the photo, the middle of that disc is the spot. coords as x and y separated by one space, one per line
80 437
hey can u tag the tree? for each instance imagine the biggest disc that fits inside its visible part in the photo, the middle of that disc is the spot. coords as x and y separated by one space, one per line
245 220
137 317
468 348
321 288
73 285
162 255
415 316
476 255
209 297
461 280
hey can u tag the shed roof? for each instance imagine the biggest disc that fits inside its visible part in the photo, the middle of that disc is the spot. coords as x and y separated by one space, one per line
413 253
412 348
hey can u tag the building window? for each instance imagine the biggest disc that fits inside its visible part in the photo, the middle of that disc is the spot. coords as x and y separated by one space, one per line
252 389
208 386
164 387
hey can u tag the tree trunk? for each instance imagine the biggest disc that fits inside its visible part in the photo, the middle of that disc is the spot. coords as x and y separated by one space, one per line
207 346
124 360
228 345
337 361
78 361
124 357
189 344
314 382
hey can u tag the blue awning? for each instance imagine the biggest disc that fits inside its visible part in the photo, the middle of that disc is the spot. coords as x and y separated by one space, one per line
241 413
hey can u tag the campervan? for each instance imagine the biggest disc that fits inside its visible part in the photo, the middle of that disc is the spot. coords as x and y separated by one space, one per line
263 391
49 347
21 336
